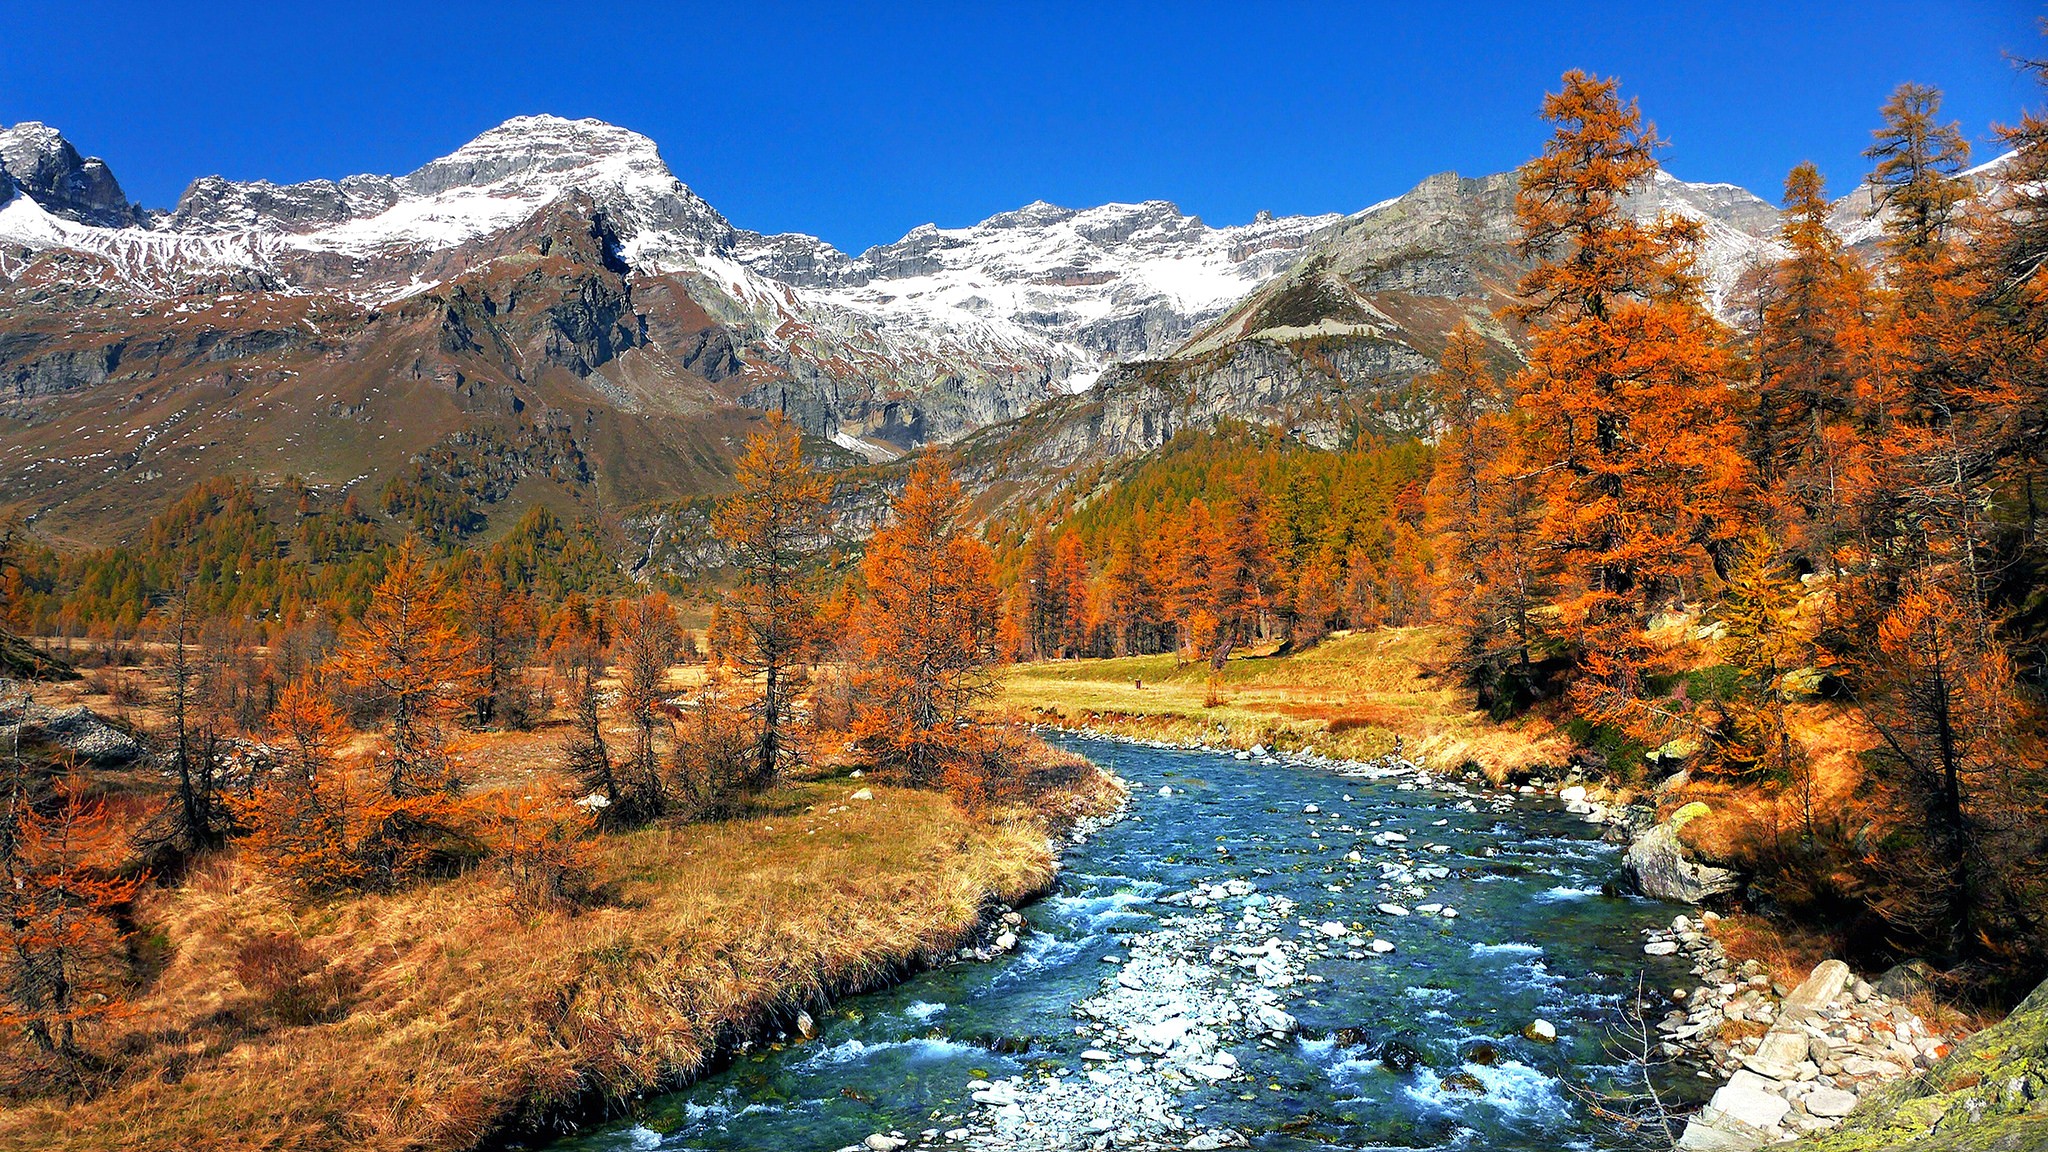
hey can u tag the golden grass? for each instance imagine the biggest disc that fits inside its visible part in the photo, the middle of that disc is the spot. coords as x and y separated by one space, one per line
1353 695
472 1018
1787 951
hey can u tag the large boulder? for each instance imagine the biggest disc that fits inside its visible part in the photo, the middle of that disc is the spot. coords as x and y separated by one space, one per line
1660 868
1989 1095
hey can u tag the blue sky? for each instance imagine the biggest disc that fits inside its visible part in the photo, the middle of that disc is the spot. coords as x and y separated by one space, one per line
856 122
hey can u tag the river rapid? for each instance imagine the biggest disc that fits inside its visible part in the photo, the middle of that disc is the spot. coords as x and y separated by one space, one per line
1265 952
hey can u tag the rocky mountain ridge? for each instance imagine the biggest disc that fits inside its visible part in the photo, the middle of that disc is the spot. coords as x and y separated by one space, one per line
560 266
989 319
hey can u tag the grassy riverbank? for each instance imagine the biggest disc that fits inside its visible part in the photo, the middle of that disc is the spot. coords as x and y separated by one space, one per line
438 1018
1353 695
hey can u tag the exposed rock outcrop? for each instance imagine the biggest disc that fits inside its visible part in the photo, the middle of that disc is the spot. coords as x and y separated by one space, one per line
1660 867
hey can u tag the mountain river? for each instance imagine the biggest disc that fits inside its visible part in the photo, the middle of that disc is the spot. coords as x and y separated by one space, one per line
1283 954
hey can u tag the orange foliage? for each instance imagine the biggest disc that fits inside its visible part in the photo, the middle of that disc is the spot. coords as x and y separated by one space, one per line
407 656
928 629
61 964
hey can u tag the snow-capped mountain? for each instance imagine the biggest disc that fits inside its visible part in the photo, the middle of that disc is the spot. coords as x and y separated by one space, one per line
1020 306
550 305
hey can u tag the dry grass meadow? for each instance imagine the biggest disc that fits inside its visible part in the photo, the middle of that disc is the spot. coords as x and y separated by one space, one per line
1353 695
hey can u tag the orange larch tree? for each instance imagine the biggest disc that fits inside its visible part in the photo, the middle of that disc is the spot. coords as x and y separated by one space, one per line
1811 354
774 527
304 815
928 629
406 656
1626 394
62 962
647 643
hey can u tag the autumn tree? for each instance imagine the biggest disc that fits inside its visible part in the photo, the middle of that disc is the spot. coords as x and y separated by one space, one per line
1485 511
1943 705
929 628
773 527
197 818
713 768
646 646
1626 392
303 817
1810 350
1765 644
62 960
1191 588
540 847
499 621
1127 597
406 656
1240 572
576 655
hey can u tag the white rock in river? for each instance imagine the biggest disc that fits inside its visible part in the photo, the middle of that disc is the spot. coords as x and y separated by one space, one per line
1383 946
1660 948
1277 1022
1393 910
1333 930
1541 1031
882 1142
1746 1098
1575 792
1310 809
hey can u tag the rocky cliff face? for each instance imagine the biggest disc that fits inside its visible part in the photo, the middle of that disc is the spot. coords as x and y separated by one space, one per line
36 161
1331 345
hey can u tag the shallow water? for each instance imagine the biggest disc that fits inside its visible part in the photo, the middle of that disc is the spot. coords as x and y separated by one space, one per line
1533 938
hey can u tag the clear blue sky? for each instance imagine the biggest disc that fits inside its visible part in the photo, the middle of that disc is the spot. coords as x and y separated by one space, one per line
856 122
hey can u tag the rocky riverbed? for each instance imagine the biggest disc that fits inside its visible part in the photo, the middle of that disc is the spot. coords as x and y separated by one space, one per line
1275 950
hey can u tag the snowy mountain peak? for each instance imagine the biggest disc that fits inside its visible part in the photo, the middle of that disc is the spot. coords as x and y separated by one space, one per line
543 150
38 159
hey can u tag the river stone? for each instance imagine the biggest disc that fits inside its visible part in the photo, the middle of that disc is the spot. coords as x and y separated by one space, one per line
882 1142
1779 1055
1820 989
1712 1131
1829 1102
1660 869
1660 948
1746 1101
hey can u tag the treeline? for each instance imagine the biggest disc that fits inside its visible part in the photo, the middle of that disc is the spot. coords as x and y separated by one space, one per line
277 561
1222 540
